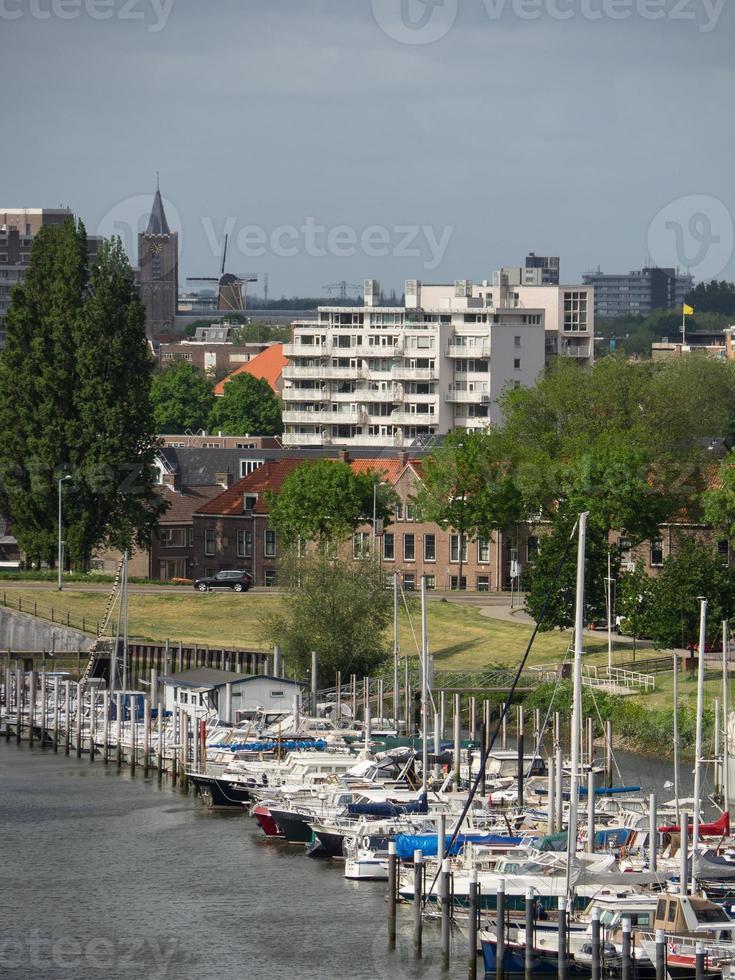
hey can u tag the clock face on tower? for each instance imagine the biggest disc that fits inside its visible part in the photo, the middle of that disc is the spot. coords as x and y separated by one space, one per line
155 248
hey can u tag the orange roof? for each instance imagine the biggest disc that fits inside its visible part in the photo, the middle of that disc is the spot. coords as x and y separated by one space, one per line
389 467
269 365
269 476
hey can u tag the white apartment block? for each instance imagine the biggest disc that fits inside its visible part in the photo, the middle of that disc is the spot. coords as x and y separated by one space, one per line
387 376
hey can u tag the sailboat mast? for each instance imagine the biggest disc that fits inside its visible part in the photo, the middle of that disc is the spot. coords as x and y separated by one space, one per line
698 748
424 691
577 702
725 713
677 780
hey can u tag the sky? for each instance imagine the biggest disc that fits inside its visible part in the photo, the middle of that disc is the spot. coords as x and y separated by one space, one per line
338 140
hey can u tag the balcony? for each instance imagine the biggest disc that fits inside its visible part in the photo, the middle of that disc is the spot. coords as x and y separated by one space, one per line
481 394
414 418
356 417
305 439
415 374
574 350
392 394
377 351
481 349
293 372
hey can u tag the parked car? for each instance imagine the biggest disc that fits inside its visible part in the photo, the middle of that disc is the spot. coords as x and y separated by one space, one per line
236 580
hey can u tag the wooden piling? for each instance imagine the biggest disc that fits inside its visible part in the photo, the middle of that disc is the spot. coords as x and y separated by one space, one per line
160 747
652 832
529 942
625 966
500 931
700 961
19 691
473 718
418 895
43 710
457 739
446 924
92 722
106 727
78 721
118 728
146 734
133 734
660 954
67 717
31 707
562 967
591 812
392 893
56 714
596 950
472 927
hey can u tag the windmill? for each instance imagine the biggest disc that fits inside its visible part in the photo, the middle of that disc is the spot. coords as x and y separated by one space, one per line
230 293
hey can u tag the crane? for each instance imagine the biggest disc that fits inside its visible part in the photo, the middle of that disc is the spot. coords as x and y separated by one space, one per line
230 293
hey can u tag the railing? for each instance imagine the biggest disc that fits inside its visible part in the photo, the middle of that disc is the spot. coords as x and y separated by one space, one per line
305 439
326 372
415 374
324 418
632 679
480 394
461 350
51 613
414 418
395 393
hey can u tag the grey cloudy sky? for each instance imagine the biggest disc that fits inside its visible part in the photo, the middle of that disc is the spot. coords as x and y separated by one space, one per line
433 140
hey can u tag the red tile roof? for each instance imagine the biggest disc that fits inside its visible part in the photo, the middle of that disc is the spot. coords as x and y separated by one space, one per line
389 468
183 505
269 476
269 365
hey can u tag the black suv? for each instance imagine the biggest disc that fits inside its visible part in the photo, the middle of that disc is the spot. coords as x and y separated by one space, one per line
238 581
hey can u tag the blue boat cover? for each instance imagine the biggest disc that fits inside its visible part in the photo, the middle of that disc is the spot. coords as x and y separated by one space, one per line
387 809
291 745
617 836
406 844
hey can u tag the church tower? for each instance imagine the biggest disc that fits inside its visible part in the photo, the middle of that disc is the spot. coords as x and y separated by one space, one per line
158 271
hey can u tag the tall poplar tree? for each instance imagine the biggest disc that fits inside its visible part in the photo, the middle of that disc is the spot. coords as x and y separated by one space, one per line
74 400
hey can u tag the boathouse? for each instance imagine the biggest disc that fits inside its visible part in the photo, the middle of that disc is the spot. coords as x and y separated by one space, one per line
228 693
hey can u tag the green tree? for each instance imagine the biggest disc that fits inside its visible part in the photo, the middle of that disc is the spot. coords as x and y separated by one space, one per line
113 496
248 405
713 297
337 607
541 582
467 486
325 501
719 501
695 570
634 600
74 400
37 386
182 398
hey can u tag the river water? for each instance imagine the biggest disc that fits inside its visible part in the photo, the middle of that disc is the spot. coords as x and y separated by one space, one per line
108 876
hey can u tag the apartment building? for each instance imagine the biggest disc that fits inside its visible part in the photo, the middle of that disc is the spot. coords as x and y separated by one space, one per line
18 228
396 376
639 292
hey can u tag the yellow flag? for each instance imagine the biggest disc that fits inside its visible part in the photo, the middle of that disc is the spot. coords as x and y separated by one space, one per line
688 310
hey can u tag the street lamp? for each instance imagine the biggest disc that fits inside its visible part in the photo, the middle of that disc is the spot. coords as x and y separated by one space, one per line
63 479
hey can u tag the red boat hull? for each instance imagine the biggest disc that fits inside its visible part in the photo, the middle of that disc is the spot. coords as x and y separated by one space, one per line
265 821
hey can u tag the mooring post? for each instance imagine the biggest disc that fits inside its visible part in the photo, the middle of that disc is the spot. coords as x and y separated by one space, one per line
338 696
418 898
92 722
625 949
19 686
118 726
591 811
67 716
652 832
446 922
380 700
500 931
700 961
596 952
530 938
56 714
457 739
559 788
504 727
174 743
551 794
78 720
392 893
608 754
684 855
31 707
133 700
105 727
442 714
472 927
146 735
473 718
562 971
521 754
660 954
483 743
184 778
43 709
160 745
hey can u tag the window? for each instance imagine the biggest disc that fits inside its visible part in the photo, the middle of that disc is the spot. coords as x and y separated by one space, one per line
248 466
209 541
399 510
517 363
360 544
270 577
483 550
389 547
531 547
429 547
657 552
249 501
409 582
723 550
409 547
454 583
173 537
245 544
454 547
483 583
430 582
270 543
410 512
516 341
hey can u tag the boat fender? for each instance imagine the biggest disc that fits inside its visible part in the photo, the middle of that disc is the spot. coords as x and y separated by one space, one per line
490 799
366 843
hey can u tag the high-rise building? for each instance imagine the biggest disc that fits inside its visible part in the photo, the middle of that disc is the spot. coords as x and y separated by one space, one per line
391 376
639 292
158 270
18 228
548 265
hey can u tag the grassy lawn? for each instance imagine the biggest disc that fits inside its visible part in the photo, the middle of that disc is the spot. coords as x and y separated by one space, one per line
459 636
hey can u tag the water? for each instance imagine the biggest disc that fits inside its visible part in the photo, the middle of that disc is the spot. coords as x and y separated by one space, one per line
106 876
